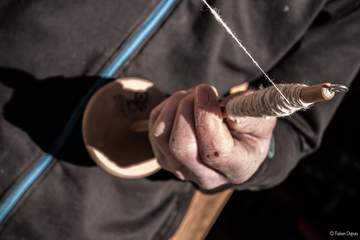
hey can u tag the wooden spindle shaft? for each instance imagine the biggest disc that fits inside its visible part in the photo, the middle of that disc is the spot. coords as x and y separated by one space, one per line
316 93
140 126
311 94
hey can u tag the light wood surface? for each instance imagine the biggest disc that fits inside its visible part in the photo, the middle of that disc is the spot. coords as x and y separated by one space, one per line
201 215
316 93
106 127
140 126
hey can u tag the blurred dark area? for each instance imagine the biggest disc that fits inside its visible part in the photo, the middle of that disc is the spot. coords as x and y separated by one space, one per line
320 196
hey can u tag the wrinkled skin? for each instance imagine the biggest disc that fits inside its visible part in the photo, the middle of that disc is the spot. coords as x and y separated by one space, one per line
190 139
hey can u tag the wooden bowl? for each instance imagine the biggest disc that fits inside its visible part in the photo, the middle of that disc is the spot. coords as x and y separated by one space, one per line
106 127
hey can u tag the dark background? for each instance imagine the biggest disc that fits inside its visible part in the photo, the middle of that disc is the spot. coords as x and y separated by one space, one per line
322 194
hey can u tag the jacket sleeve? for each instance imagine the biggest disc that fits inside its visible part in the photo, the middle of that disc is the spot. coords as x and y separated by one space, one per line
328 52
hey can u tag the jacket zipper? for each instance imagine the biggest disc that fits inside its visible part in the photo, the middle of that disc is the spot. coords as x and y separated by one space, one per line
150 23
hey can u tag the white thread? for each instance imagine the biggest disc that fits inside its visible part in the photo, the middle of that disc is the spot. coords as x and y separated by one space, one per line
223 24
267 103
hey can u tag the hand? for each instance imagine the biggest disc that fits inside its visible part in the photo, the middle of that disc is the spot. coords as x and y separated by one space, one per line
190 139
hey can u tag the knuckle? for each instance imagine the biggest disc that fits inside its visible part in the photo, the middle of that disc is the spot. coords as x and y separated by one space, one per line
159 135
180 172
179 94
183 149
186 99
186 105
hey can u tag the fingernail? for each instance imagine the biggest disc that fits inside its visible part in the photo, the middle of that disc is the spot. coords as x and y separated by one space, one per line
215 90
202 96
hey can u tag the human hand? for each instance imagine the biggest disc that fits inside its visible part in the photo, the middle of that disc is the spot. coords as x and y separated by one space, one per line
190 139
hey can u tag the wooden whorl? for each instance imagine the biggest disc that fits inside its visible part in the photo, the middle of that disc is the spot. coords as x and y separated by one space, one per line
106 127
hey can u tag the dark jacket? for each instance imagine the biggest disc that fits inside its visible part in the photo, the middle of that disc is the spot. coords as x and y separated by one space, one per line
55 54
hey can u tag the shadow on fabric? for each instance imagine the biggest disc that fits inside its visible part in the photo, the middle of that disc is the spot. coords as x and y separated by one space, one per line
42 108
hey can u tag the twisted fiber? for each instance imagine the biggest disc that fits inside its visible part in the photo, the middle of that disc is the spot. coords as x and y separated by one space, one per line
232 34
268 102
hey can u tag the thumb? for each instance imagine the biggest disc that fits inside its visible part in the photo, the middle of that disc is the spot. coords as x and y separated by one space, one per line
213 135
206 100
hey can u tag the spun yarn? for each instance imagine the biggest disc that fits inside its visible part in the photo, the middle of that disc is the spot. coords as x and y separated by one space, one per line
268 102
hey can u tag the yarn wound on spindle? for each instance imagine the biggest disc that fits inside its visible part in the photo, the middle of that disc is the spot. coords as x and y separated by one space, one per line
268 102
